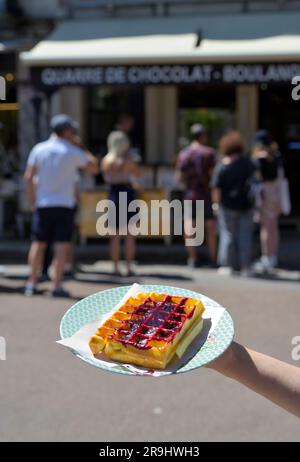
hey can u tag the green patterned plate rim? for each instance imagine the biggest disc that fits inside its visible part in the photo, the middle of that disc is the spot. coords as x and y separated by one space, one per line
95 305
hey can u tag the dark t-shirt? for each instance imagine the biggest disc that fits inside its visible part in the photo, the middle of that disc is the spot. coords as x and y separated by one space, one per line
196 163
234 181
268 168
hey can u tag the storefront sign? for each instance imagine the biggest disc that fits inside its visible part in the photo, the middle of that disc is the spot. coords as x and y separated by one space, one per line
51 77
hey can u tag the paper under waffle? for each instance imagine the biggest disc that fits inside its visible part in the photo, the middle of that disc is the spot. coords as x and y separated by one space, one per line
148 329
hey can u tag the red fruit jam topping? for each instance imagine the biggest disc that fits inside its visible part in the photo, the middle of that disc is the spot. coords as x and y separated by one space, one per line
152 320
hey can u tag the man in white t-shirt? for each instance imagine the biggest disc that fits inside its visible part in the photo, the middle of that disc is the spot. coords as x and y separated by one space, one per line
50 176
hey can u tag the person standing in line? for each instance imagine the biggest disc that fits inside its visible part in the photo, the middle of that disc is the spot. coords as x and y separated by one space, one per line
48 253
121 173
231 185
50 178
195 167
267 159
125 123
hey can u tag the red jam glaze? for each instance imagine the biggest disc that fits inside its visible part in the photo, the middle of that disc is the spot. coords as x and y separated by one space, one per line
152 320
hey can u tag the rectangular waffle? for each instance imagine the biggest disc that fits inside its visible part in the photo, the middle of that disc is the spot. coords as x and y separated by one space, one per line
148 328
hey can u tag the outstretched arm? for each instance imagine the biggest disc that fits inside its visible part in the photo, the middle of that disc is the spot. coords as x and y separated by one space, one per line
275 380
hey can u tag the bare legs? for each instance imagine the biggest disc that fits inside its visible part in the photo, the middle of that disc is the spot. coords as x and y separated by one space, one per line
115 249
191 250
211 240
35 260
129 252
70 257
60 258
269 229
269 235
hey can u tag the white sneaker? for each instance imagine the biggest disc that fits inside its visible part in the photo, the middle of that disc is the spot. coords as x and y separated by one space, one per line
192 263
265 264
258 266
273 261
30 290
225 271
246 273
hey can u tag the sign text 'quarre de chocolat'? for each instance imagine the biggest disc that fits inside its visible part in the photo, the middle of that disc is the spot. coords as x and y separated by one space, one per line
51 77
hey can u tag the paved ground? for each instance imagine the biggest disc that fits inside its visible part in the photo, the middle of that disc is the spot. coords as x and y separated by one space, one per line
47 394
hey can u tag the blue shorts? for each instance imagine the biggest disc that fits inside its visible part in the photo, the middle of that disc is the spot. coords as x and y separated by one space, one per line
52 224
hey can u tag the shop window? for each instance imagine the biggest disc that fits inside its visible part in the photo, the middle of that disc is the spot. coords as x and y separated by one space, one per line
105 105
9 159
214 107
280 114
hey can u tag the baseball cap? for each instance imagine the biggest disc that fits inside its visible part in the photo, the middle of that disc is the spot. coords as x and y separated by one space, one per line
197 130
262 137
61 122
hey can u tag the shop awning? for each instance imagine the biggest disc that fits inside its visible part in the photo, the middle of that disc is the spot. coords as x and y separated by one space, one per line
111 50
210 38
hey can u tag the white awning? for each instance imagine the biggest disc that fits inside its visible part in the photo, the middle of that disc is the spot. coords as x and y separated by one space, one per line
231 38
111 50
283 47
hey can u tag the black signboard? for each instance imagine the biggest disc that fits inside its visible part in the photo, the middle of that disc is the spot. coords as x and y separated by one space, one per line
53 77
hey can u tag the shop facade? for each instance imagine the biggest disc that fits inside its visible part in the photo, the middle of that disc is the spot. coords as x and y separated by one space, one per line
9 156
167 81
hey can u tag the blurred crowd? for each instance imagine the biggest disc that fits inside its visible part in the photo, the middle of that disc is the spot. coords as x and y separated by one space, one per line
238 188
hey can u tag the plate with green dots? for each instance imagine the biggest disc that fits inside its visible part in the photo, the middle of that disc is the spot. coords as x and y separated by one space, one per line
214 339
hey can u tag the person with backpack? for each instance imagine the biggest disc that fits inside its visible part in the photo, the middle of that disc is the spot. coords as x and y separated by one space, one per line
195 167
267 159
232 203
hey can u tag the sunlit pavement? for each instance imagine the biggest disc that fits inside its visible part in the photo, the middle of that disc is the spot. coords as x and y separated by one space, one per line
47 394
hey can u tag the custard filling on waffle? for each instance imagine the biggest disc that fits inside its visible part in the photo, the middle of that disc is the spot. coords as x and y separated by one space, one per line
148 329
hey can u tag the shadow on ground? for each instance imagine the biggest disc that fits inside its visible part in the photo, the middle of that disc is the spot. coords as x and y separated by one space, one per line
280 276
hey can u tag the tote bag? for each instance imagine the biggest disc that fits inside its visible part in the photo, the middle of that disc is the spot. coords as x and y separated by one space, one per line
284 193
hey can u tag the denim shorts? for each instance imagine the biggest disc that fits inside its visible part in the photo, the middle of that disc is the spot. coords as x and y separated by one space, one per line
52 224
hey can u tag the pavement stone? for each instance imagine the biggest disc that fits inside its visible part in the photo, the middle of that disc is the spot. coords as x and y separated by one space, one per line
47 394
